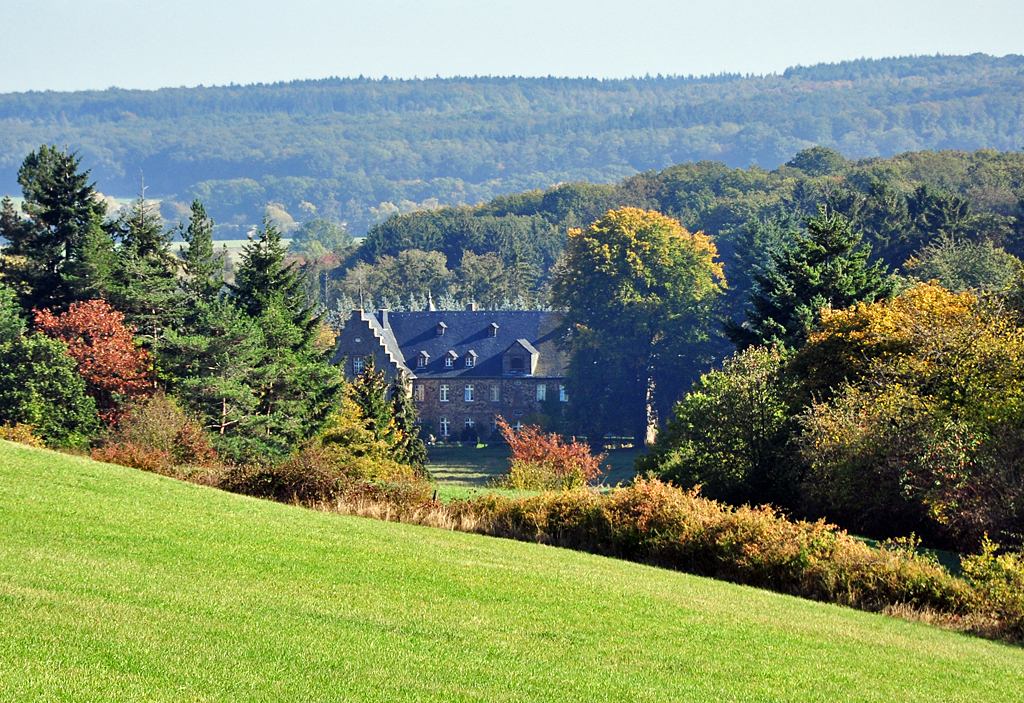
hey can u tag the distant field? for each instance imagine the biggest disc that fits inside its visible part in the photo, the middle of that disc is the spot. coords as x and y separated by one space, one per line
474 467
116 585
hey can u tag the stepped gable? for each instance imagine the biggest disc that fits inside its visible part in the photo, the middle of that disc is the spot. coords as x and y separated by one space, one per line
365 334
483 334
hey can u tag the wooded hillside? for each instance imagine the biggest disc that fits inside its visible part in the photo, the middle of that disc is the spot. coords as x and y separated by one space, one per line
356 151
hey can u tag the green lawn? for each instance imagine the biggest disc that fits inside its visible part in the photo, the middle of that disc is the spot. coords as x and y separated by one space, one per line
120 585
470 466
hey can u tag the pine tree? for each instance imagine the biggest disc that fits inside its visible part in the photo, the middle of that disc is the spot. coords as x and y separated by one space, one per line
824 267
296 386
369 391
203 269
145 280
211 364
64 214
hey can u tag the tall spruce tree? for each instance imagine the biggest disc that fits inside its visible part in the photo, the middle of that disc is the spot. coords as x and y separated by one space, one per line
47 259
145 278
824 266
203 270
296 386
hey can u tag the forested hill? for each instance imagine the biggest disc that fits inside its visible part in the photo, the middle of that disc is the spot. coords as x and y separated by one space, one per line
358 150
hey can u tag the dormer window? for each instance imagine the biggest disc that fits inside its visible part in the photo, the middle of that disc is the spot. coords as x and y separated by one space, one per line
470 359
422 359
492 329
439 330
517 364
449 359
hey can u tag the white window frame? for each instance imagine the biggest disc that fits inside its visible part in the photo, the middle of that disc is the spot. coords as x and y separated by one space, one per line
467 393
449 362
418 392
358 364
563 396
442 393
495 393
469 422
469 361
421 362
444 426
542 392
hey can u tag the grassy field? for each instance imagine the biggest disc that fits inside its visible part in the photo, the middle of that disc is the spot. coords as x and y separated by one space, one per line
120 585
463 470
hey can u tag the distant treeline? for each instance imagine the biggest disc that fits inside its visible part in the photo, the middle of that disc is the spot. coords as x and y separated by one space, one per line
905 206
356 151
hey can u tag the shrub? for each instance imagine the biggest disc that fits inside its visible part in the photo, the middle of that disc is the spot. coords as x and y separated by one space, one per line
21 433
320 473
544 461
998 581
660 524
155 434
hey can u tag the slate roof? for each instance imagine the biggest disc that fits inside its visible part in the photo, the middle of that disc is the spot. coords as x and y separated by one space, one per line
415 332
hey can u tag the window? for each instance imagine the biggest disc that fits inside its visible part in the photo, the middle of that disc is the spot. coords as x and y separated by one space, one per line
516 364
492 330
421 362
443 394
542 392
444 427
469 394
495 393
562 395
357 365
469 422
469 361
418 392
439 330
494 426
449 361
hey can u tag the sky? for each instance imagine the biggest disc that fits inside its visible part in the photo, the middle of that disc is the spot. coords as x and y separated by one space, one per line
97 44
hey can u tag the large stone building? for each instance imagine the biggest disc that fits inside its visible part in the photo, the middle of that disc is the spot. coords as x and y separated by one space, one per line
467 368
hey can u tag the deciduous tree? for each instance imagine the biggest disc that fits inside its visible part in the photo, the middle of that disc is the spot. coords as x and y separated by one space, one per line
115 369
639 291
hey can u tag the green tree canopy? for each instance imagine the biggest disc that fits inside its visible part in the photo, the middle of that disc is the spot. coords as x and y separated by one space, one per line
638 290
824 267
63 225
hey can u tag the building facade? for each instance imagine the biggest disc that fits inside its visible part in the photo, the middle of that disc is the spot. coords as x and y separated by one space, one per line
467 368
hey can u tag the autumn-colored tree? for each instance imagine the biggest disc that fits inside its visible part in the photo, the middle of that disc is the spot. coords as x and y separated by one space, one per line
917 419
545 461
638 290
114 368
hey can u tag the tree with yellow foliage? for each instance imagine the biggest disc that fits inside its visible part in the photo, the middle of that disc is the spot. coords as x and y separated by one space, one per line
639 291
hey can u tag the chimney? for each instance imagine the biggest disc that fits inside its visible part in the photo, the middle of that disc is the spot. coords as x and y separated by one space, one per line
384 318
471 307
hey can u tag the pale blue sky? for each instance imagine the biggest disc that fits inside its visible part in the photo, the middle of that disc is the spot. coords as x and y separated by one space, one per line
78 44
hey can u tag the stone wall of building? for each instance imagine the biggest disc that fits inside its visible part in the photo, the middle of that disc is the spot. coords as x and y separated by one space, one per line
516 400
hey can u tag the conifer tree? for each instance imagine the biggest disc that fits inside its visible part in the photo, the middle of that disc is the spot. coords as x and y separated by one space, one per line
203 269
145 280
43 261
296 386
409 448
824 267
211 364
369 391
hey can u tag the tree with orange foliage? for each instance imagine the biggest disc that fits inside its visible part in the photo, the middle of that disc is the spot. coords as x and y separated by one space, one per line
114 368
545 461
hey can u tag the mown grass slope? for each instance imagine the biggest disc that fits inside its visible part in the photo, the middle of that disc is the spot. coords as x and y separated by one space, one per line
120 585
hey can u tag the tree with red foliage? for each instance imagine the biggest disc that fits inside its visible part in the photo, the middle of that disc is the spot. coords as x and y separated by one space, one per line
114 367
543 460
